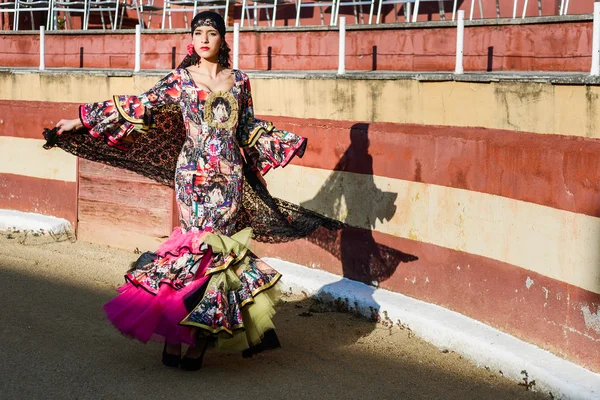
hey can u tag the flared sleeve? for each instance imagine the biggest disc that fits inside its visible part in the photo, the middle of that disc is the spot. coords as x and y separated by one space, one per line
117 118
264 146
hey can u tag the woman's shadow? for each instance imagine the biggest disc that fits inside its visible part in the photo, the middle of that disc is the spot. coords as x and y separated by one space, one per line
351 191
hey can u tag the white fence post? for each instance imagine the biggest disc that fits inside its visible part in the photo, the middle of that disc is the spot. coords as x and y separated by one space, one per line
595 70
42 48
453 9
416 11
236 44
460 40
342 51
138 48
566 8
525 9
472 9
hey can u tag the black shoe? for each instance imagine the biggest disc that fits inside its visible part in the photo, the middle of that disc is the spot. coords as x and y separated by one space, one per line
194 364
270 341
170 360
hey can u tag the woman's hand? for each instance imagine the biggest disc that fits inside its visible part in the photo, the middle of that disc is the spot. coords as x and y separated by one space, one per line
68 125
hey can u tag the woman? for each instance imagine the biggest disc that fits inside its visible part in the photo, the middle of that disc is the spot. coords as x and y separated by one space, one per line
202 285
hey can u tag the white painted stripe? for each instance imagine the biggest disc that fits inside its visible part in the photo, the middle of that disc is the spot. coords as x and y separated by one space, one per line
558 244
446 329
20 156
11 220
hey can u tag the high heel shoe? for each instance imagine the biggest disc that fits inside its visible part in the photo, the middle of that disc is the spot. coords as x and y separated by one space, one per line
194 364
170 360
270 341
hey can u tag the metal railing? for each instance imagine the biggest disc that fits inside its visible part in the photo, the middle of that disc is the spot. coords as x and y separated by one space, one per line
460 35
145 8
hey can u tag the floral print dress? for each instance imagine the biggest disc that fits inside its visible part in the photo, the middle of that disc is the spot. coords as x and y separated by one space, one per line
202 280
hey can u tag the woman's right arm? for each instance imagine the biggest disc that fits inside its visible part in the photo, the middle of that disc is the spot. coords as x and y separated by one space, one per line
68 125
115 119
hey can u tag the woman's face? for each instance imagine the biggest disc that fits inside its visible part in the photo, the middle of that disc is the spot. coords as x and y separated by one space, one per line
207 42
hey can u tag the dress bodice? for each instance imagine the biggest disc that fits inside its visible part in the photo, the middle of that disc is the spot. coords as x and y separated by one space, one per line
209 169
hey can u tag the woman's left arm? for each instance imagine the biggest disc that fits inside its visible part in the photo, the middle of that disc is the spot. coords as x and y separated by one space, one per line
264 146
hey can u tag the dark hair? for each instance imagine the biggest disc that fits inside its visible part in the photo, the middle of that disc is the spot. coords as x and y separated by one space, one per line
209 18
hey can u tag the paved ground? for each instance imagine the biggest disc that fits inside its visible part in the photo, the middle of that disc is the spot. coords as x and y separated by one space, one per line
57 344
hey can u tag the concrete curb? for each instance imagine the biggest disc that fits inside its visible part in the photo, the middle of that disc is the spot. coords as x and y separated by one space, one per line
18 221
445 329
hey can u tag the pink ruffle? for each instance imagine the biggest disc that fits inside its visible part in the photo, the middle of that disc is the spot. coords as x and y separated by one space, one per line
181 242
144 316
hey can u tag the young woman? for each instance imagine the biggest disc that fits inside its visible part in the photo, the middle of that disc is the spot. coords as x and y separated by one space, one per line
202 285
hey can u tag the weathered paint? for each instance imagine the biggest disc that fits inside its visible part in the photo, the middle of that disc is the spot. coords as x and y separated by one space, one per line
27 119
591 319
122 208
515 106
27 157
37 195
556 46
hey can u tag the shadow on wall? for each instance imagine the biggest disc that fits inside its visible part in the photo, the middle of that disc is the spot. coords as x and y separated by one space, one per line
363 204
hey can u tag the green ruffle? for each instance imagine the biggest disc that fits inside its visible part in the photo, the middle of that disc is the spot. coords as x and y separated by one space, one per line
237 307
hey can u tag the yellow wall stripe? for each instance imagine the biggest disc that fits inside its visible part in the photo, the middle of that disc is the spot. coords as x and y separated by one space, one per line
555 243
517 106
27 157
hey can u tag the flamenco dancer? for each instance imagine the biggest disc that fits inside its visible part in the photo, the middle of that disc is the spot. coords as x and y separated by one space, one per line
195 130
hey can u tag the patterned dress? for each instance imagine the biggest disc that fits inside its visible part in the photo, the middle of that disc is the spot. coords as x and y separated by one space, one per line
202 280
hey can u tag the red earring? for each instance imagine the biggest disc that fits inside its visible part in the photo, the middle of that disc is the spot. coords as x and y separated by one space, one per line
190 49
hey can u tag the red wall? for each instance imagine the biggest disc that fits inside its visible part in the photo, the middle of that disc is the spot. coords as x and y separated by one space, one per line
562 46
286 14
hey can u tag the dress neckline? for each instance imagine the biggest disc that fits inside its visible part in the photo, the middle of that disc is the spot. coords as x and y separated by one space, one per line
198 88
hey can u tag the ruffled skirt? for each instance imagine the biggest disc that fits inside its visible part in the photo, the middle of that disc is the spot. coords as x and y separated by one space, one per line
199 284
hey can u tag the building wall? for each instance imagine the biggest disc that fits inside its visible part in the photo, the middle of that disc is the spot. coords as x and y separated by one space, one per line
480 197
554 45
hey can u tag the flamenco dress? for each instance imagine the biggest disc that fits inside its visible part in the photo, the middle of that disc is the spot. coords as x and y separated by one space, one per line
203 280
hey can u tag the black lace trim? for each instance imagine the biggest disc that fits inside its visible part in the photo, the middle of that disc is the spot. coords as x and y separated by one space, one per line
154 155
